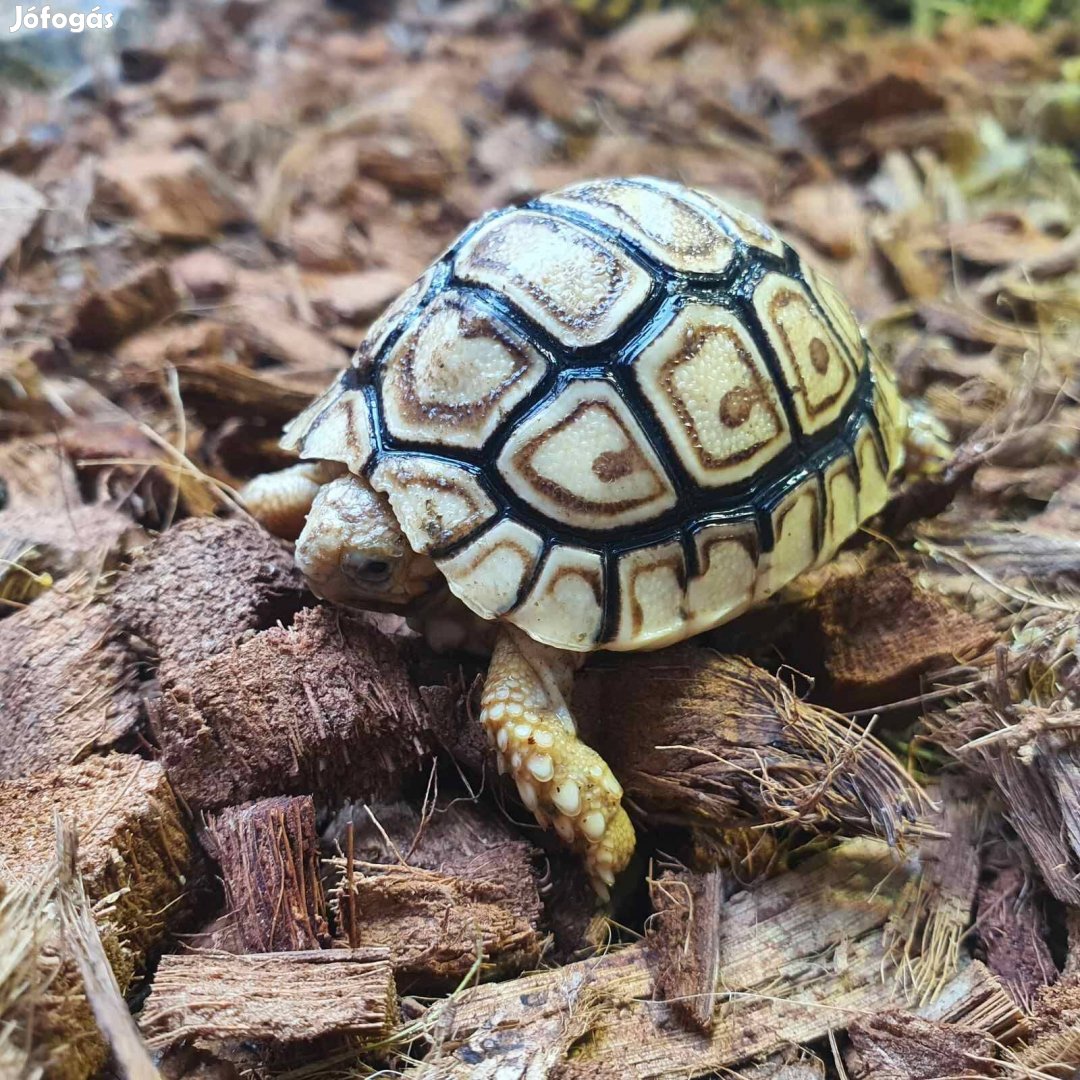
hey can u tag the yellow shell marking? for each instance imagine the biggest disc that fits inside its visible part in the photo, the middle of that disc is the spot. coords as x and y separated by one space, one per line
489 573
334 427
565 606
741 224
873 482
795 527
651 594
436 503
839 314
841 505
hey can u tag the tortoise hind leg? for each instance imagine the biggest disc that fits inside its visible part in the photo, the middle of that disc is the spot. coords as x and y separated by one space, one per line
281 501
561 780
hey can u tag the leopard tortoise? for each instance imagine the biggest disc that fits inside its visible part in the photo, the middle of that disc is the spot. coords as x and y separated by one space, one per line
611 418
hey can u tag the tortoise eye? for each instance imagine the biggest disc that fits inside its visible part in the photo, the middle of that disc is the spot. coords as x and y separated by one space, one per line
365 571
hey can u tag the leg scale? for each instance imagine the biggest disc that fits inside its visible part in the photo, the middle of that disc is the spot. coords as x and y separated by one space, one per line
560 779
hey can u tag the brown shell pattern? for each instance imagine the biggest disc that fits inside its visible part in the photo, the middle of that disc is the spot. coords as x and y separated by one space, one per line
617 416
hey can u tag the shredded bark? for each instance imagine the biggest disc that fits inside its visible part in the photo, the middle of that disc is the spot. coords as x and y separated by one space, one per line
805 939
196 233
438 924
1011 925
129 1054
47 1027
683 938
105 316
927 928
880 631
269 858
717 742
92 539
1054 1046
1029 754
899 1046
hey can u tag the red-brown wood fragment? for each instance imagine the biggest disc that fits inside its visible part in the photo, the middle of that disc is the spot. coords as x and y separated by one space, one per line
67 683
683 939
269 859
717 742
900 1046
201 587
143 296
1010 923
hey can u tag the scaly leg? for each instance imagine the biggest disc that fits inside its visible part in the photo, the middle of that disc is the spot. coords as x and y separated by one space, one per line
560 779
280 501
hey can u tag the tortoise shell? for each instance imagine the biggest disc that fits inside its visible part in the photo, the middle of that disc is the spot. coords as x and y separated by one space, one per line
616 416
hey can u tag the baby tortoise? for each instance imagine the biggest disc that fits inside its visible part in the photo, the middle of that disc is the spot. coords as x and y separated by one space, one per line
611 418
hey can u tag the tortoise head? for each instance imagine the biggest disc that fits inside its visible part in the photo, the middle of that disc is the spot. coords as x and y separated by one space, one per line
352 550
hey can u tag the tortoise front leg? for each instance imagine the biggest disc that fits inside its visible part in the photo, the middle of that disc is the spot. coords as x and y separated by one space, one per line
281 501
560 779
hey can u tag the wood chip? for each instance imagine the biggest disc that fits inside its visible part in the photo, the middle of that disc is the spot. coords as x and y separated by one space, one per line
892 94
354 298
829 215
773 945
178 195
106 316
1010 923
717 742
436 923
206 274
67 683
880 632
134 848
324 705
683 942
277 998
899 1046
649 36
202 587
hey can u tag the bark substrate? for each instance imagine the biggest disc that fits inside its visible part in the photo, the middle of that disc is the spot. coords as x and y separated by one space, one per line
857 807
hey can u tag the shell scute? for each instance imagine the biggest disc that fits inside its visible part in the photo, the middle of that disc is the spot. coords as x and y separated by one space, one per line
816 367
437 503
565 606
796 524
335 427
491 572
668 225
579 287
583 459
456 373
712 392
